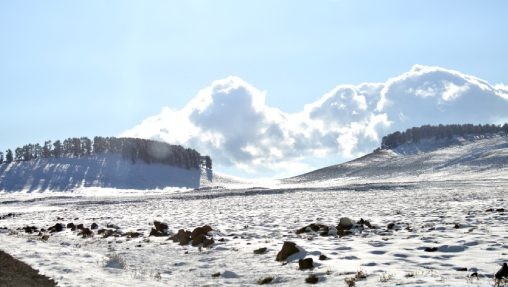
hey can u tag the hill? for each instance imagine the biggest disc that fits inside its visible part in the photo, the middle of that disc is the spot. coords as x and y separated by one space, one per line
110 170
481 157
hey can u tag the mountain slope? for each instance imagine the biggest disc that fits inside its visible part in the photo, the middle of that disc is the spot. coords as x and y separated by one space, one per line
430 158
64 174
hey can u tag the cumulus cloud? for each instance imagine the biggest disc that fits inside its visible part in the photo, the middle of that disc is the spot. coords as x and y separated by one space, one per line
230 119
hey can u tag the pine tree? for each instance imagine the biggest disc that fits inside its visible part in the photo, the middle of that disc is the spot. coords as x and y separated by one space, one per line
8 156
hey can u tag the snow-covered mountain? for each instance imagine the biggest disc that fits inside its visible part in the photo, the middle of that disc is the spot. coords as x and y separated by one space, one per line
478 157
65 174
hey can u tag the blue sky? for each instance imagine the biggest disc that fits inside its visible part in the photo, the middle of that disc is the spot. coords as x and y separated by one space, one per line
73 68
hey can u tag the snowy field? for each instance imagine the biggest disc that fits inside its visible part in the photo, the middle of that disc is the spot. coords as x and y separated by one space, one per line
450 215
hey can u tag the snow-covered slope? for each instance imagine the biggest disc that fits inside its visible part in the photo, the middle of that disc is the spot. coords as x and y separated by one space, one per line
486 157
65 174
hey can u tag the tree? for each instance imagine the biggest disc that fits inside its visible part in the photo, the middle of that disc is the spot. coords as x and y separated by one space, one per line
1 157
8 156
47 149
18 154
57 149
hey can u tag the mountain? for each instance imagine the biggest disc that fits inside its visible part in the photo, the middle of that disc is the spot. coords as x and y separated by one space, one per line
475 157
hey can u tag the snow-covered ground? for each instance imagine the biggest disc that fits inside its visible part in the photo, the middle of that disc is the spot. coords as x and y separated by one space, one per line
437 199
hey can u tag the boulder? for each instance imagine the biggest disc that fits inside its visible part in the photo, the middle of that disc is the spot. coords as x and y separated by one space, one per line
261 250
160 226
503 272
132 234
201 231
306 263
323 257
345 223
367 223
208 242
183 237
56 228
266 280
312 279
30 229
85 233
157 233
94 226
288 248
430 249
71 226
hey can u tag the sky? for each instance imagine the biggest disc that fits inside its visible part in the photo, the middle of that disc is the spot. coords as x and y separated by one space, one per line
86 68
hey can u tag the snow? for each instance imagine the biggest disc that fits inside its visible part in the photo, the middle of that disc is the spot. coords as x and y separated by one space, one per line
64 174
436 199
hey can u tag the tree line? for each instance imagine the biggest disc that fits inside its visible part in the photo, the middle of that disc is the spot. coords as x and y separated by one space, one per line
414 135
133 149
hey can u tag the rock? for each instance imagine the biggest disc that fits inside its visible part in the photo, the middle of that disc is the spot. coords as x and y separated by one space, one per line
85 233
265 280
261 250
30 229
323 257
315 227
208 242
71 226
461 269
80 226
200 231
345 223
312 279
132 234
197 240
215 275
390 226
503 272
105 232
111 225
306 263
94 226
182 237
343 232
363 222
500 210
456 226
430 249
288 248
45 237
56 228
160 226
155 232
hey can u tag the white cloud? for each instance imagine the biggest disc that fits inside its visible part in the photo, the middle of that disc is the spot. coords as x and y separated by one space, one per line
230 120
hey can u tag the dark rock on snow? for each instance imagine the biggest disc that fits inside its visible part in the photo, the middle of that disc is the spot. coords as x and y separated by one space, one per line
94 226
323 257
56 228
288 248
503 272
266 280
260 250
312 279
85 233
306 263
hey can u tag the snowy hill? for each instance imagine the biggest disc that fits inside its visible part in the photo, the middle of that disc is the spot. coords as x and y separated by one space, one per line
64 174
482 157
